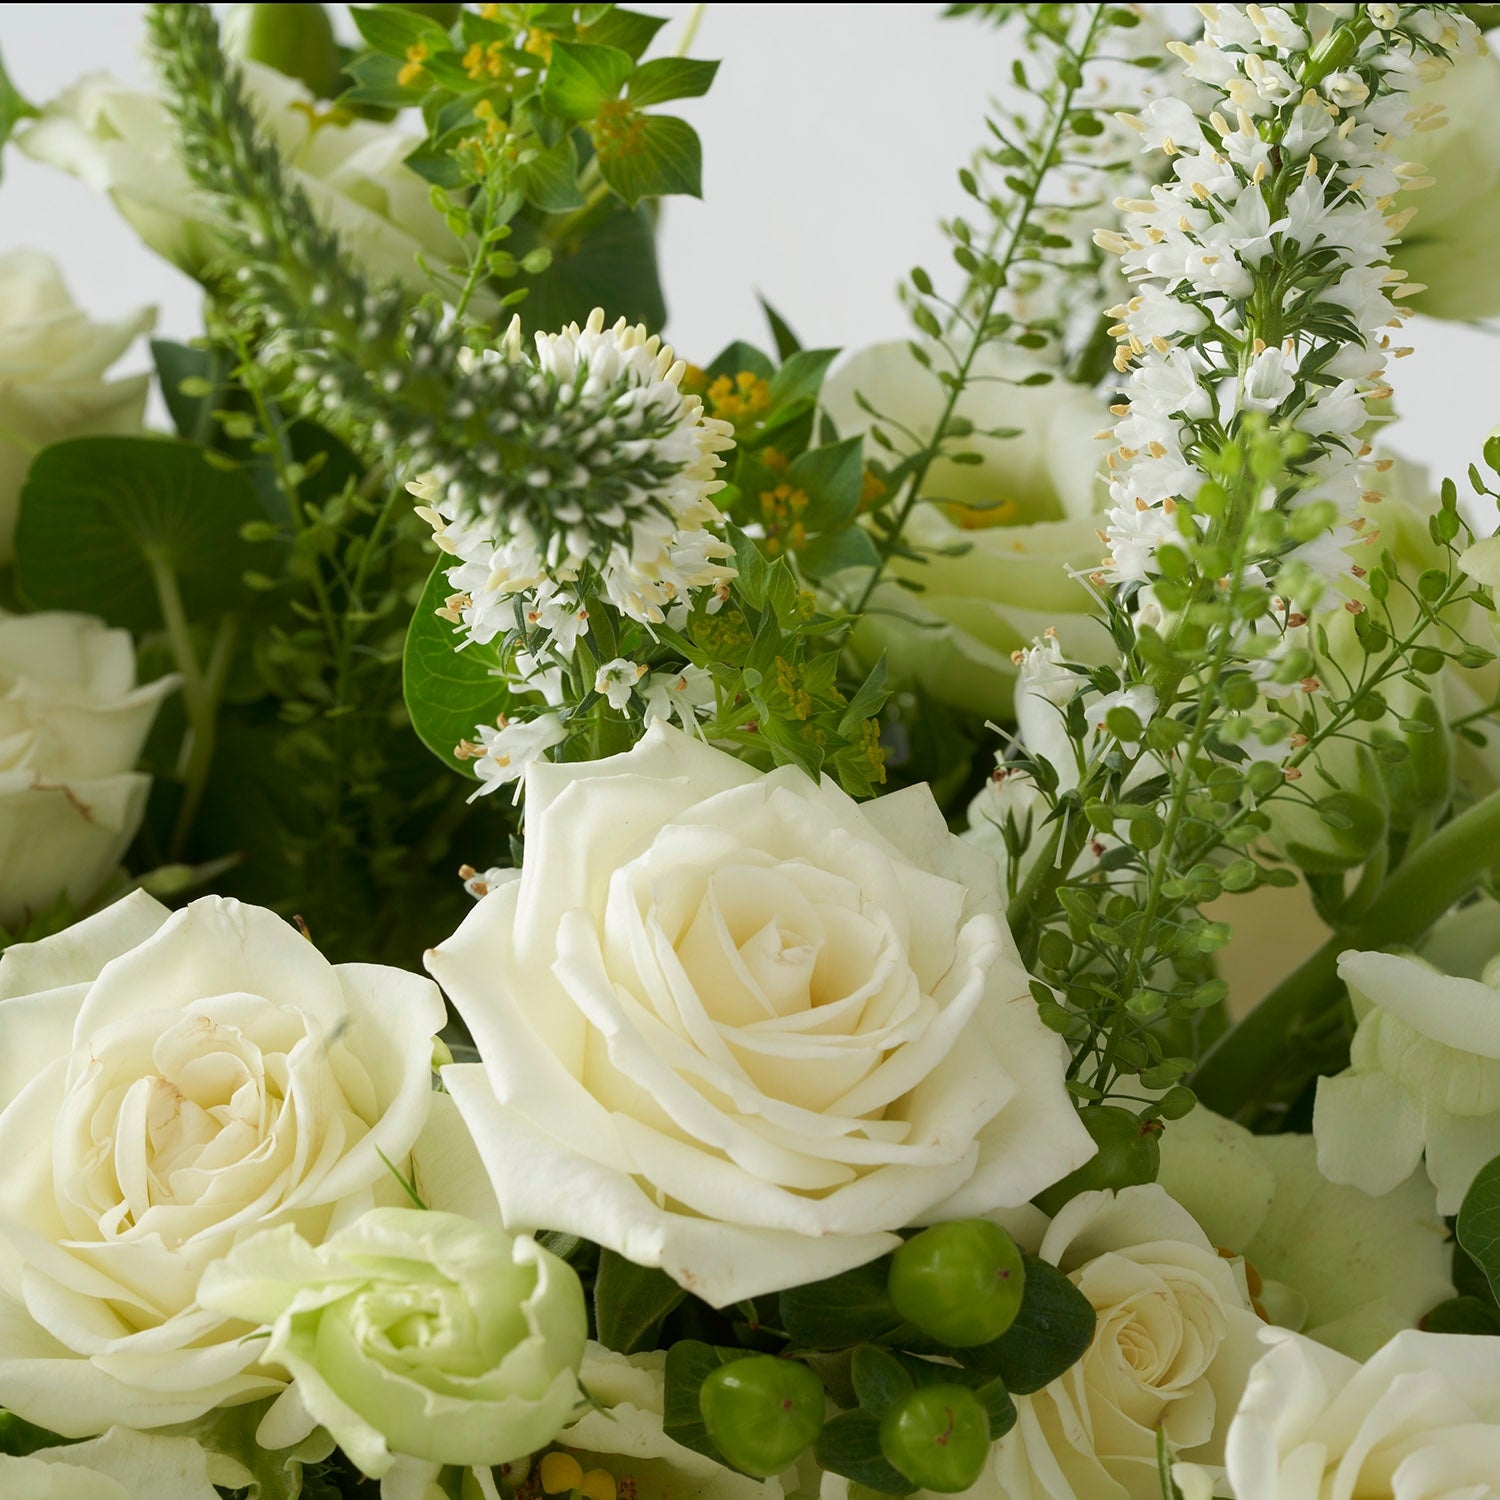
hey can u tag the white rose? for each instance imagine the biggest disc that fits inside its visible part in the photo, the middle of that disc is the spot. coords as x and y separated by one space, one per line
736 1026
1174 1340
171 1082
1319 1257
120 1465
52 364
1424 1066
624 1436
122 142
1446 247
1419 1421
1026 514
72 723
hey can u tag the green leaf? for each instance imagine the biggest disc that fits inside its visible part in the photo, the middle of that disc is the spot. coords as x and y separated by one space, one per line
375 84
206 372
879 1378
13 107
630 1302
1478 1226
1471 1315
826 555
1051 1332
612 266
787 342
551 181
581 78
391 30
655 155
831 477
665 78
867 702
18 1437
848 1309
850 1445
751 566
740 356
801 377
96 512
689 1364
628 30
449 692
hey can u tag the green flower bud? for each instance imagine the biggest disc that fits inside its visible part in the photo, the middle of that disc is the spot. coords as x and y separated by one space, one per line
762 1413
960 1282
1128 1154
294 39
938 1437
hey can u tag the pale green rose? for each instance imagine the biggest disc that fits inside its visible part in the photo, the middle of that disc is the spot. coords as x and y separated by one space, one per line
624 1437
1344 1268
1424 1068
1449 246
52 363
414 1332
120 1465
72 724
122 142
1026 514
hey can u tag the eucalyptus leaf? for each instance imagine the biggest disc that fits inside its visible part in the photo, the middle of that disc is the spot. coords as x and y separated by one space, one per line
99 514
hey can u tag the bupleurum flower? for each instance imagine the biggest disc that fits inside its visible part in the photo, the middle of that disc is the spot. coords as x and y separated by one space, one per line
617 469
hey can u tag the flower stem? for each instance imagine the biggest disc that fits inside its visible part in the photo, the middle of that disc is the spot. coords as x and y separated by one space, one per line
1445 869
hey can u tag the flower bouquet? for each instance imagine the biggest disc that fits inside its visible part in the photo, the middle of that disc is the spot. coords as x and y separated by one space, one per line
957 880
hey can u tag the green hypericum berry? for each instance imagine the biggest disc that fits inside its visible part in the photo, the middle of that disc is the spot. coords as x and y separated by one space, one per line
294 39
938 1437
1128 1154
762 1413
959 1282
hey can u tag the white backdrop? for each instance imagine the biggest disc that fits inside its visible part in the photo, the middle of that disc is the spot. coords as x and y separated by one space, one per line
831 139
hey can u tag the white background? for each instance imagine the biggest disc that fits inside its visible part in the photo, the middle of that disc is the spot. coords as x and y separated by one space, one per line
831 139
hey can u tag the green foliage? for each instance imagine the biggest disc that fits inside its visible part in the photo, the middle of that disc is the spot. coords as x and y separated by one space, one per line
630 1303
1478 1225
13 108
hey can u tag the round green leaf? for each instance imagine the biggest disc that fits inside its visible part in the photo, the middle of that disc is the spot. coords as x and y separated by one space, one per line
98 512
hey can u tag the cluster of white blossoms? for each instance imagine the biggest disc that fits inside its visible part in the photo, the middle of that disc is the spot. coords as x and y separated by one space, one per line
613 508
1261 267
624 515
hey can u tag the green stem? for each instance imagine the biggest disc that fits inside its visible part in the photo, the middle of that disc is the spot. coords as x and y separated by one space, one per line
997 280
1445 869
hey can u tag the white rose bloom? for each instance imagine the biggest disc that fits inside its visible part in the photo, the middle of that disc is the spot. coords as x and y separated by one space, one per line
72 723
1424 1068
736 1026
171 1082
1419 1421
627 1441
122 142
1174 1340
1026 514
52 363
120 1465
1318 1256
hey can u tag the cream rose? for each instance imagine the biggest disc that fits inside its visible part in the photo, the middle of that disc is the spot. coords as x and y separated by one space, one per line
170 1083
1420 1420
120 1465
1024 516
1424 1067
1321 1255
736 1026
72 723
121 142
1174 1340
52 364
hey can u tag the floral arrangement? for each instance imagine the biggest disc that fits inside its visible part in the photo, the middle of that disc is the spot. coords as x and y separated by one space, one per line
957 881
